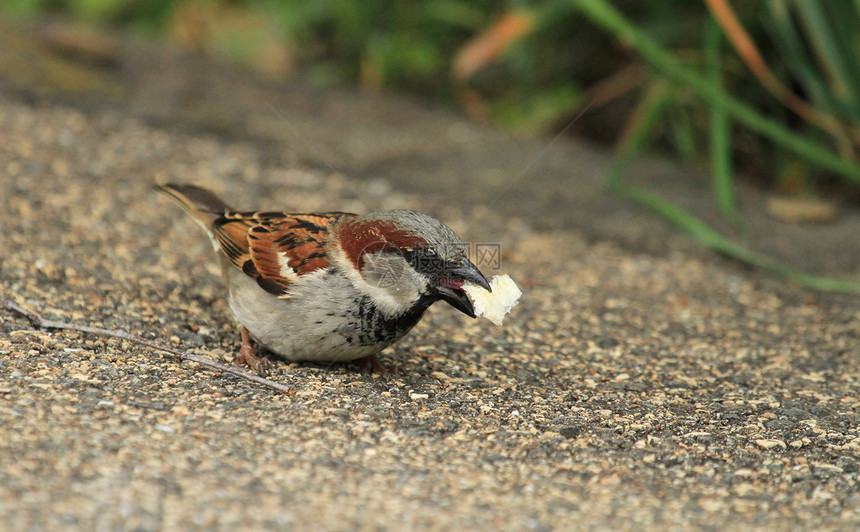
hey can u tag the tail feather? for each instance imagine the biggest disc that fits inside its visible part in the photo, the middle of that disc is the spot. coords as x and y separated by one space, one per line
200 203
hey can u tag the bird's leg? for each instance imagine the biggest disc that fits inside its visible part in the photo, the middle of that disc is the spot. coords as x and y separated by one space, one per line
371 364
248 356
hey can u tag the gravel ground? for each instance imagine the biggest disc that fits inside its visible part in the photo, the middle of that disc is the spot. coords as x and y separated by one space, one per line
628 390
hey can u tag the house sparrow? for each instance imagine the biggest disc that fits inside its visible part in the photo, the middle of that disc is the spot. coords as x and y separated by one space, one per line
330 286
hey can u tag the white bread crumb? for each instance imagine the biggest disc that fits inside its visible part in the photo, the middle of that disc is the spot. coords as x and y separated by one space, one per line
496 304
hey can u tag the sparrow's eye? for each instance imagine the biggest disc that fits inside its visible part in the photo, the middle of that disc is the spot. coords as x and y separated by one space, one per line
426 261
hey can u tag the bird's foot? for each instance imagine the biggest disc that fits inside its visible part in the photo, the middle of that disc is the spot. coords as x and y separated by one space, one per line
371 364
247 355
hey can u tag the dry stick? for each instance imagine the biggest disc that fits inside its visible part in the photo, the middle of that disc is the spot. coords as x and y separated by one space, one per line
42 323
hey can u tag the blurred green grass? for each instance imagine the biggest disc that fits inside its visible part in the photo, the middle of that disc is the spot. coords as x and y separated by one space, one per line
769 89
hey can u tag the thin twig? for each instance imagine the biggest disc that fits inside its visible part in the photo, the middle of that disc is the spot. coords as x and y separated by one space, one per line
42 323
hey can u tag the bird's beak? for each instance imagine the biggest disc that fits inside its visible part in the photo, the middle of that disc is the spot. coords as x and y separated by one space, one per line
450 286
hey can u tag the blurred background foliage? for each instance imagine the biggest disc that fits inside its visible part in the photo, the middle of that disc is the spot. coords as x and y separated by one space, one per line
765 89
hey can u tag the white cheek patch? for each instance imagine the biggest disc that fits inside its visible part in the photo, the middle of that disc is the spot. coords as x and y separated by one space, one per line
392 285
497 304
383 270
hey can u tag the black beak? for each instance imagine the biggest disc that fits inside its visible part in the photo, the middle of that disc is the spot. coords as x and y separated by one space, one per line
450 286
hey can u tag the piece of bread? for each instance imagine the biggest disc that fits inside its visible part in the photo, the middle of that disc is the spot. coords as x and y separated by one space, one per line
496 304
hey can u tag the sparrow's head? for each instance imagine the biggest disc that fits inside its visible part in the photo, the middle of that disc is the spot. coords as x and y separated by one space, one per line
409 259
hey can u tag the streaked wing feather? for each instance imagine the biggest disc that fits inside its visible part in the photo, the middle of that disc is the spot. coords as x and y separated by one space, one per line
275 248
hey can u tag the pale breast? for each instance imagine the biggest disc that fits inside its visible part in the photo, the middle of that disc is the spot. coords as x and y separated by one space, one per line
323 319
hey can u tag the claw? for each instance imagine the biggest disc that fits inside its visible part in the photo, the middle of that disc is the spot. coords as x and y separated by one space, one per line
371 364
248 356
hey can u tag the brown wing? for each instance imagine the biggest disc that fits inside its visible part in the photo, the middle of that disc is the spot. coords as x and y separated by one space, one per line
275 248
